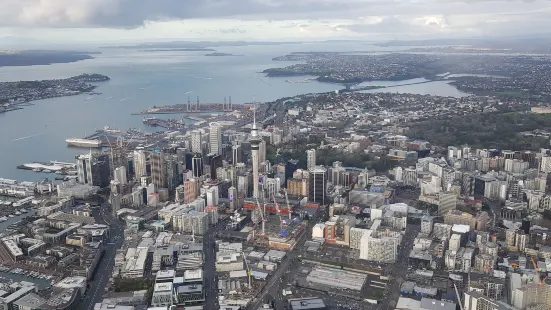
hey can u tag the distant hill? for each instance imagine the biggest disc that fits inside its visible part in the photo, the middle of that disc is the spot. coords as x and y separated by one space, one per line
41 57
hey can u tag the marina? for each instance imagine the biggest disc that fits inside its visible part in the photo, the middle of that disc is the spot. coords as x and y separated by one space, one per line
8 275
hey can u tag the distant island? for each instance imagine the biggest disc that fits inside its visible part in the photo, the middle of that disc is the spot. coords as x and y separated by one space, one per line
14 95
198 44
41 57
221 54
191 49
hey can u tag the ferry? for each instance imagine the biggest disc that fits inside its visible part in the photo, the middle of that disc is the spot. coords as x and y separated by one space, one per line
83 142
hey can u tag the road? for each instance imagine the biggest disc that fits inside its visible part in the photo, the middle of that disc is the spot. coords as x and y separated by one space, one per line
104 270
209 266
399 270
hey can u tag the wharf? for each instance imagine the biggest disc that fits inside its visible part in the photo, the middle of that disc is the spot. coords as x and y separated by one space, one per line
171 124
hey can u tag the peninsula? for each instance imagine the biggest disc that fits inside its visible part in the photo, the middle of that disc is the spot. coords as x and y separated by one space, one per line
221 54
10 58
190 49
13 95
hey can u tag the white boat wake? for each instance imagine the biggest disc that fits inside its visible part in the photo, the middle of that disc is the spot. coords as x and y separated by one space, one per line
27 137
124 99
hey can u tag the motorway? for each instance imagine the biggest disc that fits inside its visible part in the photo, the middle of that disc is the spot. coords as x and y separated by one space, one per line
104 269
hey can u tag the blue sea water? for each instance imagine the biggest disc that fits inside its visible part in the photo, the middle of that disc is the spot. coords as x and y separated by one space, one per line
140 80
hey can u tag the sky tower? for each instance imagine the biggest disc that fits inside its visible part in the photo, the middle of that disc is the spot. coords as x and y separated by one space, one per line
255 140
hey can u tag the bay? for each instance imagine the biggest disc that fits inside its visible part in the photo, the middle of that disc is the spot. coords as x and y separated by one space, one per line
140 80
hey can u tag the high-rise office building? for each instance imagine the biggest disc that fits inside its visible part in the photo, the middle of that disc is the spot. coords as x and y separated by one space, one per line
140 164
197 165
290 167
196 142
120 175
93 169
181 154
232 196
215 162
310 158
262 151
172 171
190 190
215 138
317 184
157 162
237 154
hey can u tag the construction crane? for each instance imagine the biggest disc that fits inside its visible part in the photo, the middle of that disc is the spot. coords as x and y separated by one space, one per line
288 206
263 218
458 297
540 280
249 270
278 212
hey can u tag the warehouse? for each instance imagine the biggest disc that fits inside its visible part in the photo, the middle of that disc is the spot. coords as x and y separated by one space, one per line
336 278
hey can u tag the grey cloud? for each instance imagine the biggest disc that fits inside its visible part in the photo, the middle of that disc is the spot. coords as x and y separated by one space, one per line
388 25
134 13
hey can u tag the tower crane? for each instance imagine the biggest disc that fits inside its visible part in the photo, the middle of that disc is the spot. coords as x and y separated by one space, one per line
539 280
288 206
278 212
261 215
249 270
458 297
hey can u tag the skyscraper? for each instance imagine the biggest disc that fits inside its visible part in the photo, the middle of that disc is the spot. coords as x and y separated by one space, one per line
197 166
262 151
196 142
255 140
317 184
215 138
310 158
120 174
157 162
93 169
237 154
140 164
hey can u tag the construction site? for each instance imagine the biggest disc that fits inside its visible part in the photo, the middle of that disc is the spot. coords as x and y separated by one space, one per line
275 226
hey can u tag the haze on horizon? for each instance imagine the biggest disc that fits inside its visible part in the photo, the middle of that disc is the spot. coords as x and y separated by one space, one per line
269 20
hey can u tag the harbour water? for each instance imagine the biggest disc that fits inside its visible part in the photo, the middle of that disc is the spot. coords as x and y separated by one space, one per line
143 79
17 218
41 283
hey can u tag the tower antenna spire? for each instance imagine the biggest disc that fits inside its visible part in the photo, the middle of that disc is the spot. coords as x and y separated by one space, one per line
254 116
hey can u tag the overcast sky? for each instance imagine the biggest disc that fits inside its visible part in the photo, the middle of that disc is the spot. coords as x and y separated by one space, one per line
141 20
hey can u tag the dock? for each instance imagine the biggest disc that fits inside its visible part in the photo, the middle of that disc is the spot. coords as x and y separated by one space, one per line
194 107
171 124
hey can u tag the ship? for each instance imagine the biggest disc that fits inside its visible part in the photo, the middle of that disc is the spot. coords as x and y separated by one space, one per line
83 142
